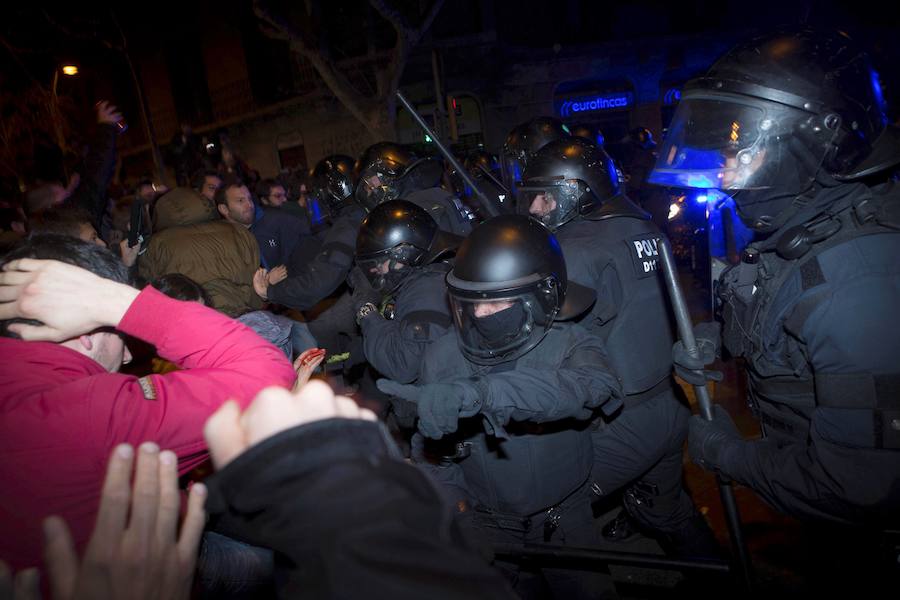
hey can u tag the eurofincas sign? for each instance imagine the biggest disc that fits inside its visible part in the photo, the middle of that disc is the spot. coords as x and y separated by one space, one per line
569 107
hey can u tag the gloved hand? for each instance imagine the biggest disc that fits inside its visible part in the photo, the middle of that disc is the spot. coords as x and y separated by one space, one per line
708 336
439 405
707 440
362 291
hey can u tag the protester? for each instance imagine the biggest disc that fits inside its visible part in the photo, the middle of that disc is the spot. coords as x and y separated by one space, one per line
64 404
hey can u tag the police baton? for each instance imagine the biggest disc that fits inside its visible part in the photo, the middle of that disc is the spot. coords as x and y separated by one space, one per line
686 333
485 202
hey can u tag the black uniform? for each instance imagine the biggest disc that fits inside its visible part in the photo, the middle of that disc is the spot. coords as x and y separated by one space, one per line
308 283
611 246
642 446
526 457
417 315
813 307
821 338
420 184
444 207
510 394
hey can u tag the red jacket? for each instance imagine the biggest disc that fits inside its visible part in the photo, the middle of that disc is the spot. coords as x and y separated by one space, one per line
61 413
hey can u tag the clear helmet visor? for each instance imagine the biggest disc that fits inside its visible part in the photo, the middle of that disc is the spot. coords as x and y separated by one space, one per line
496 330
387 270
722 142
373 188
552 202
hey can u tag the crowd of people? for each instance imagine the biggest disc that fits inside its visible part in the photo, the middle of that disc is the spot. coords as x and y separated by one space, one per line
389 382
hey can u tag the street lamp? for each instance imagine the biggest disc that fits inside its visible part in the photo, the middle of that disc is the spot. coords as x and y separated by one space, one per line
69 71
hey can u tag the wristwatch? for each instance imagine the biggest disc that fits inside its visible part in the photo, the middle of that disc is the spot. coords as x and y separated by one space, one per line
364 311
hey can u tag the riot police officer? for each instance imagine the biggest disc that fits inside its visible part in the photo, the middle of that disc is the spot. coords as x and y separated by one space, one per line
510 392
398 252
794 124
611 245
387 171
523 141
317 272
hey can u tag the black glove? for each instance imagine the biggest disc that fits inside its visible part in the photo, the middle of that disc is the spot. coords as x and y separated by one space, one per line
693 369
707 440
362 291
439 405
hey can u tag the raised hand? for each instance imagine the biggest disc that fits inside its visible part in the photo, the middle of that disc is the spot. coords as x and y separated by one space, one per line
136 550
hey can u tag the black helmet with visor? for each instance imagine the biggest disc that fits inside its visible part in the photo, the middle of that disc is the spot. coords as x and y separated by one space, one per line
507 288
565 179
395 236
771 118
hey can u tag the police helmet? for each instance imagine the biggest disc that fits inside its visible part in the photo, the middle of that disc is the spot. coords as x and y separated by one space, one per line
378 170
524 141
479 162
508 286
565 179
394 236
591 134
332 180
773 118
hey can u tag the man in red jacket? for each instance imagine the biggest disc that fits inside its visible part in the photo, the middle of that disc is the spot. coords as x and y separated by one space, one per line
64 407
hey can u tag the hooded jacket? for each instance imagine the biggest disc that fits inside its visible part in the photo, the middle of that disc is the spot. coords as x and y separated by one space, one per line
190 239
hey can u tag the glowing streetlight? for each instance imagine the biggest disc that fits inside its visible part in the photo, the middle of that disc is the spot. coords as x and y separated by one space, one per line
70 70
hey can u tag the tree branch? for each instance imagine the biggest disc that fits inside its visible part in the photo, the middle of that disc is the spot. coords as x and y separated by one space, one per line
358 105
77 35
407 37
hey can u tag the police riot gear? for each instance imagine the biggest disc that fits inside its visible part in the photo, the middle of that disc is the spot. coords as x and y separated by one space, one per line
333 181
566 178
395 235
515 264
777 119
378 170
523 141
521 466
816 330
812 308
611 245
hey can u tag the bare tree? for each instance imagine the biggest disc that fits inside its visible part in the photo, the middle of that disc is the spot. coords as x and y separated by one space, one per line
376 111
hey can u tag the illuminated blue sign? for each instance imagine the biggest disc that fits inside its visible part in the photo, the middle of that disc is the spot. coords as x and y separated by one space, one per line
571 107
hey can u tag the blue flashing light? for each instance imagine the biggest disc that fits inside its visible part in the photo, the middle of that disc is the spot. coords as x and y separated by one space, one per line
691 168
594 103
879 95
701 198
682 179
316 211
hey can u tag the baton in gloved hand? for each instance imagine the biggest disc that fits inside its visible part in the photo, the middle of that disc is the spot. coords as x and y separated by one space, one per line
686 333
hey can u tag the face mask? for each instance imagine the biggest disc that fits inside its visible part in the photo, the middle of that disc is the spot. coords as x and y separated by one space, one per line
500 328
